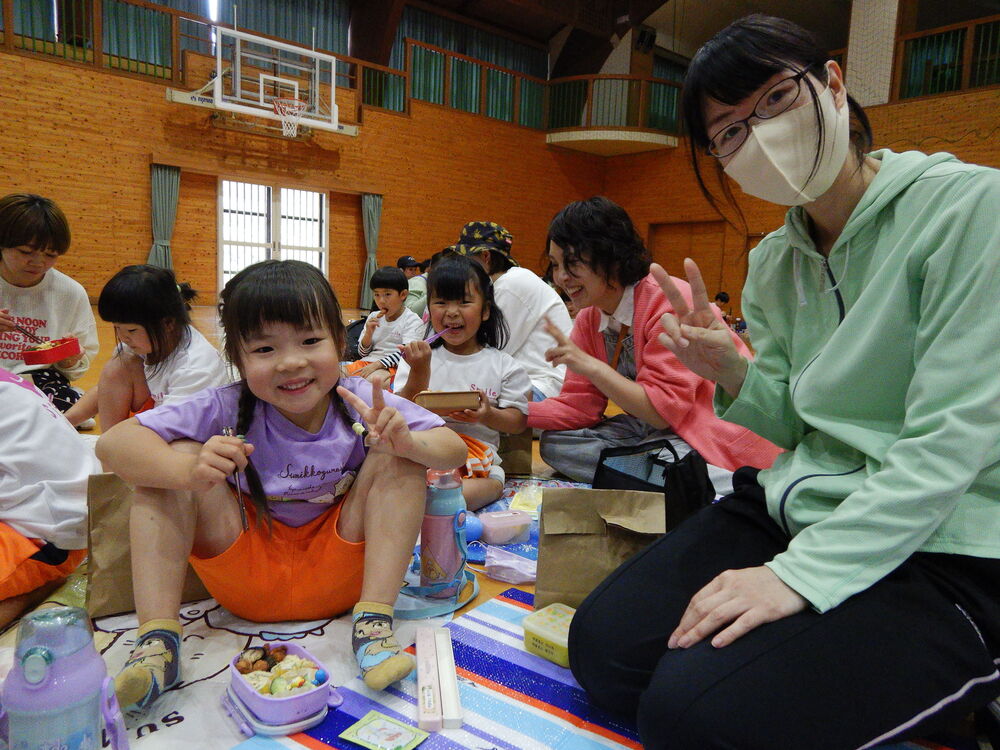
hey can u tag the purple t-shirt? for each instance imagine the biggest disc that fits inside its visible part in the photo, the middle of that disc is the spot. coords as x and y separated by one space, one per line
302 472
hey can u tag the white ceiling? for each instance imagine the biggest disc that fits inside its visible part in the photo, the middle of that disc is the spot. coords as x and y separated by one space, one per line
684 25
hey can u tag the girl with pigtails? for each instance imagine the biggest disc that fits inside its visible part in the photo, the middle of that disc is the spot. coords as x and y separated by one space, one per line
334 471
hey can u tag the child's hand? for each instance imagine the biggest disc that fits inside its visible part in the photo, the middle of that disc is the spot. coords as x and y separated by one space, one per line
474 416
6 321
388 431
373 321
219 457
369 370
417 354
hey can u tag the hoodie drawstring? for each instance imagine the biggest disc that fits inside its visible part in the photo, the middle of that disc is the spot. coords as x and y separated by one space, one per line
797 275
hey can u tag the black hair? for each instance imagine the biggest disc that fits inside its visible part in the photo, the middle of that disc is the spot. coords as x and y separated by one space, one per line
276 291
599 233
424 265
151 297
389 277
449 280
736 62
722 297
500 262
33 221
440 255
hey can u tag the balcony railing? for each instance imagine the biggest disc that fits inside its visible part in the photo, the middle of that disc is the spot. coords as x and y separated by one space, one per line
139 38
949 58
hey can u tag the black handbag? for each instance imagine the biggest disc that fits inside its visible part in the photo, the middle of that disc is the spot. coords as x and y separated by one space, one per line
684 481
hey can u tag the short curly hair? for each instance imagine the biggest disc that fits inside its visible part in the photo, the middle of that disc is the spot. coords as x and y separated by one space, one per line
599 233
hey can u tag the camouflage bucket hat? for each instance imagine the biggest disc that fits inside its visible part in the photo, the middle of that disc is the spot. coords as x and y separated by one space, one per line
480 236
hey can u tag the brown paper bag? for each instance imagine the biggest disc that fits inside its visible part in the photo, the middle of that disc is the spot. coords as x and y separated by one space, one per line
586 534
109 569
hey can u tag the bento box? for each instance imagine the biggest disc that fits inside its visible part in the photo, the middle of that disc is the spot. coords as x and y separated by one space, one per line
51 351
277 714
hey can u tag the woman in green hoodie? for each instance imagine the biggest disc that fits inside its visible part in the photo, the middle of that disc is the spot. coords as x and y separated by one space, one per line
850 594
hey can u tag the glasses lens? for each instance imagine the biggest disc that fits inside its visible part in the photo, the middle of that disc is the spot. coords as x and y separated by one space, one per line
778 98
727 140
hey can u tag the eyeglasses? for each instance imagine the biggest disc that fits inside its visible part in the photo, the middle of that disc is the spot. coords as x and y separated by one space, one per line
777 99
36 252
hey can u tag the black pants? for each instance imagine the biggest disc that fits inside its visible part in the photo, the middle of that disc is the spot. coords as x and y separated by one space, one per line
913 653
55 385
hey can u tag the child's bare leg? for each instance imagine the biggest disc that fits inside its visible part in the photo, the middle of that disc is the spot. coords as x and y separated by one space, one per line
385 507
84 409
164 527
15 606
480 491
121 389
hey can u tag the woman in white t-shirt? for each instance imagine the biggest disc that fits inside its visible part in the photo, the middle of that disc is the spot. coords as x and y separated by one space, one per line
467 357
160 358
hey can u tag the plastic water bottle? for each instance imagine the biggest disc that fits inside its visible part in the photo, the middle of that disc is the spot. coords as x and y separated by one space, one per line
442 534
58 694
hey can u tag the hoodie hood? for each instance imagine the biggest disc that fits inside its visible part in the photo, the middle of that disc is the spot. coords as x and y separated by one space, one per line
896 174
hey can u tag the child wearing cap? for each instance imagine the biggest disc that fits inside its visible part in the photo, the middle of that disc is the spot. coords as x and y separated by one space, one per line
416 284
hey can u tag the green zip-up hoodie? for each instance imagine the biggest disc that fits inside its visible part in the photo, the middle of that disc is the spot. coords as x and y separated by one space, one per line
878 369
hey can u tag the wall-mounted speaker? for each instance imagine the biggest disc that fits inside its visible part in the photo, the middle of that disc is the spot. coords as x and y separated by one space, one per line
644 38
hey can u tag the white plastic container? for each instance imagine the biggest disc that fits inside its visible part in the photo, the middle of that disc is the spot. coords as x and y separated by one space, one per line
505 527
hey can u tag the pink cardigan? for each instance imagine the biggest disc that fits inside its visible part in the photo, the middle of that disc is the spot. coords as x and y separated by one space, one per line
683 399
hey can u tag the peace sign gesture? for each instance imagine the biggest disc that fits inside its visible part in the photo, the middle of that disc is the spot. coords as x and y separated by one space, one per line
695 335
388 431
565 352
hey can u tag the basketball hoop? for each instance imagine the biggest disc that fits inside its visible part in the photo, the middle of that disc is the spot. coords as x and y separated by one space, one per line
289 111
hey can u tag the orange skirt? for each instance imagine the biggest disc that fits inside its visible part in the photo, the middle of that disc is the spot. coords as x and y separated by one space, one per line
295 573
19 573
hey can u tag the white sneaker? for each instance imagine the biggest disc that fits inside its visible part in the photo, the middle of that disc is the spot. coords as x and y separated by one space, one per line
87 425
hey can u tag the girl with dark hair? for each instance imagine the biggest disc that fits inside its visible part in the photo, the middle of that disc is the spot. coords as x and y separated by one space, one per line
467 357
846 597
324 497
161 357
598 259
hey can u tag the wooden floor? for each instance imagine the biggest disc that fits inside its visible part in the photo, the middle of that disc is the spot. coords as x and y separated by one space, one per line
205 319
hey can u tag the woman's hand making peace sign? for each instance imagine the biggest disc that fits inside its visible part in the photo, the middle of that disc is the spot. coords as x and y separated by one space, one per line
696 336
388 431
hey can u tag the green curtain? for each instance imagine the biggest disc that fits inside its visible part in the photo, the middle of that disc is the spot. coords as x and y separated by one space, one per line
371 215
294 20
132 32
166 182
34 20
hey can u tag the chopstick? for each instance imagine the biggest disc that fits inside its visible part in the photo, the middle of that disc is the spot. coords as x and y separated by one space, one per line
29 334
435 336
230 432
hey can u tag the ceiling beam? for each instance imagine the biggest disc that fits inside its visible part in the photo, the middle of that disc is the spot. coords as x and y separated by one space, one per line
373 29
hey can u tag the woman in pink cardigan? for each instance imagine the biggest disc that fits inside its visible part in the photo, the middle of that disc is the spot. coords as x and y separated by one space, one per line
600 262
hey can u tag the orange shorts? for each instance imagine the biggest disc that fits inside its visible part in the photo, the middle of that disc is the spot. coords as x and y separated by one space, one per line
20 572
478 459
147 405
353 368
297 573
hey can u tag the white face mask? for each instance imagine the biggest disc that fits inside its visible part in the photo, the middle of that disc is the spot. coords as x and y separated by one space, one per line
775 161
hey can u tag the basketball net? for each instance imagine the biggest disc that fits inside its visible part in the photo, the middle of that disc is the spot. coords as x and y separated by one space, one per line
290 111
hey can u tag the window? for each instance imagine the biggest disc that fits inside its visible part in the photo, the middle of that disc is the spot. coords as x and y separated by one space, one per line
258 222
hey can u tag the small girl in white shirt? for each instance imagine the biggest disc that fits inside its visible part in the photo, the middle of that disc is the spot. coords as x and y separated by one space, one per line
161 358
468 357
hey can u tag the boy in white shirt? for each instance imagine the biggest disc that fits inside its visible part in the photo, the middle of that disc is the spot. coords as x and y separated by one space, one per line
392 326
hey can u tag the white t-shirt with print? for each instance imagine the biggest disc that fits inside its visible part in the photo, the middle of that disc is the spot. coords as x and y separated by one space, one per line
389 334
490 370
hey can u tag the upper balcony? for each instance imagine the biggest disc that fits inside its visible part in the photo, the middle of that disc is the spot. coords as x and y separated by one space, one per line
602 114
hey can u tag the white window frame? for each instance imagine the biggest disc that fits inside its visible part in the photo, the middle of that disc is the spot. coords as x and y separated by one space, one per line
272 245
